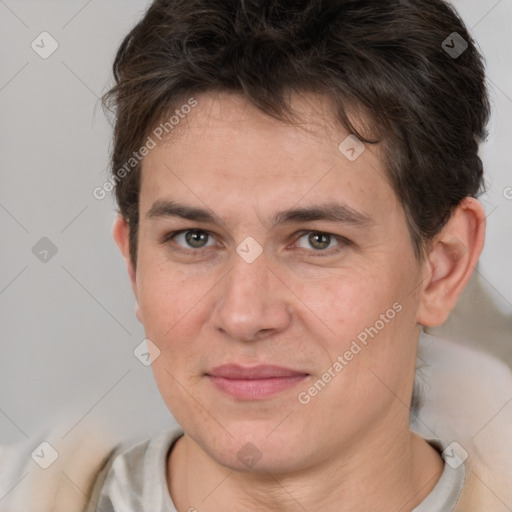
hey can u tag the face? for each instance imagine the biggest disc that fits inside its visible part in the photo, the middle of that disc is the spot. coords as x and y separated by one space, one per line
261 245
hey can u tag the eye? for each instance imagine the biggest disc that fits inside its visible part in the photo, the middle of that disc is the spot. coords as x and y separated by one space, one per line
192 238
321 242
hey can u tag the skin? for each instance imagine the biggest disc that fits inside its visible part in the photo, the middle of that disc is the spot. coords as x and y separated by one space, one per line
297 305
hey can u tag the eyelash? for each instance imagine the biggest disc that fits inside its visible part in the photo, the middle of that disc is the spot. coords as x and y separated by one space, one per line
341 242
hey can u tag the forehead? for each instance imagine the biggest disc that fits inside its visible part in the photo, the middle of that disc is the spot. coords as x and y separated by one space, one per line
228 152
310 124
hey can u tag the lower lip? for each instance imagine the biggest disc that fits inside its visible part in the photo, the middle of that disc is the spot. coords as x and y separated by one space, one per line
254 389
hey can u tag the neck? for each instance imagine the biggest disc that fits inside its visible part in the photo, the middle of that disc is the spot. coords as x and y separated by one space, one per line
387 475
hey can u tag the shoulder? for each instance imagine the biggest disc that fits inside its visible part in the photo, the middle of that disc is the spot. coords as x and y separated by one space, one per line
134 478
466 383
129 457
53 472
467 399
444 354
58 469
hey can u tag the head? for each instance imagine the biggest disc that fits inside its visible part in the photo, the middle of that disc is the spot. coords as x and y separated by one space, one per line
257 230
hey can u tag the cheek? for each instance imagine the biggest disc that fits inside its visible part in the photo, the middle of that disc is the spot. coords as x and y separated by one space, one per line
374 347
370 318
173 318
174 315
350 302
169 299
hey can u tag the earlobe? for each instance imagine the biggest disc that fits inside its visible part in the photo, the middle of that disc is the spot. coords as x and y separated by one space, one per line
138 314
450 262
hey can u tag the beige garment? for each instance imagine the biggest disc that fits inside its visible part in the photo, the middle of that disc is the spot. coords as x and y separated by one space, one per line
467 399
67 483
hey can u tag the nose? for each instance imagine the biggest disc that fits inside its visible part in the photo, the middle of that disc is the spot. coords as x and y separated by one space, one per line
253 302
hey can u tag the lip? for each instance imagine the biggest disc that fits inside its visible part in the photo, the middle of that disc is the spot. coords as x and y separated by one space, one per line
256 382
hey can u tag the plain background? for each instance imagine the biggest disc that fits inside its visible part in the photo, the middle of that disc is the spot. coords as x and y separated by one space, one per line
68 328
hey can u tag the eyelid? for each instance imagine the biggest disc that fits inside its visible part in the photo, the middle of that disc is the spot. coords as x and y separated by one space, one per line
173 234
342 242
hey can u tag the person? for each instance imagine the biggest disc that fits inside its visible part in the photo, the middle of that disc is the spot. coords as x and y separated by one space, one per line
297 186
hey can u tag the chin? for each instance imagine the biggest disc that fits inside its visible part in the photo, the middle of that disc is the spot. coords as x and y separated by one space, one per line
260 448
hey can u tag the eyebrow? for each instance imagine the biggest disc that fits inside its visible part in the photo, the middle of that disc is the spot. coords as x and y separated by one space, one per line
331 212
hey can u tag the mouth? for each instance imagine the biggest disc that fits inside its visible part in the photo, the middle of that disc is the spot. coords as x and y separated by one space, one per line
253 383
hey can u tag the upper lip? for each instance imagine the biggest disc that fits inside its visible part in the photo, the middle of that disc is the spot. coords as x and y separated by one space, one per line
262 371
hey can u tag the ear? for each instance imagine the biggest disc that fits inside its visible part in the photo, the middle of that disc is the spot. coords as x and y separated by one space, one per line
450 262
121 235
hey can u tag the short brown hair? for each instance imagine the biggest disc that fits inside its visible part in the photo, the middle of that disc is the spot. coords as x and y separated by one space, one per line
429 107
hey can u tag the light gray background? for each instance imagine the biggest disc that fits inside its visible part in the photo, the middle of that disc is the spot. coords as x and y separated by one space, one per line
68 328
